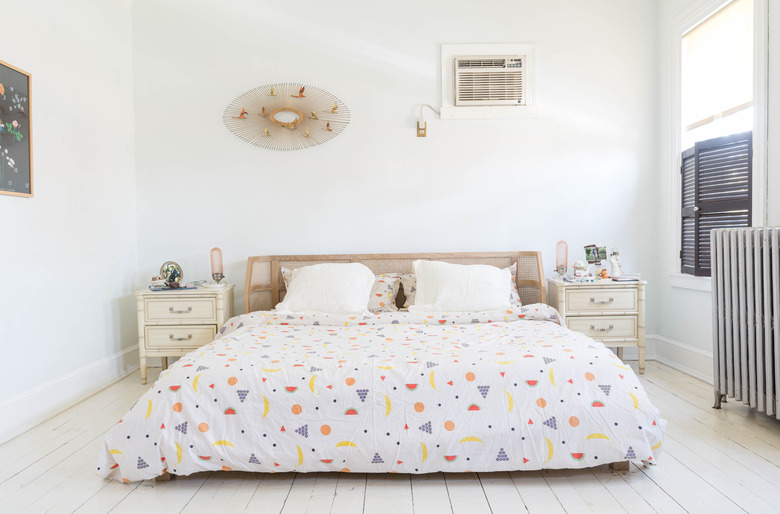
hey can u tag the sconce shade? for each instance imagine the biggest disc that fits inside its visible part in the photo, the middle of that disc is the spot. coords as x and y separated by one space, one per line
561 256
216 261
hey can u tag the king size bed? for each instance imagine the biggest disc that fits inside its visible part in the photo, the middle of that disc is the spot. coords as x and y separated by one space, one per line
393 390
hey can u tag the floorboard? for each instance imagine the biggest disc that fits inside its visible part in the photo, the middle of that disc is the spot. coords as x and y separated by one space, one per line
725 460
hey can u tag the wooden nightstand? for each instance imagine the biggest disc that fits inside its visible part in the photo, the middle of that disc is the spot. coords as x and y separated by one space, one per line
174 323
608 311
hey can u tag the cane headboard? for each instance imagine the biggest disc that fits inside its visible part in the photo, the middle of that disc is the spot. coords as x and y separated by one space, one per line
264 287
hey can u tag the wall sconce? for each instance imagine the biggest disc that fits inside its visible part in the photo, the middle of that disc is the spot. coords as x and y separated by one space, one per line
422 125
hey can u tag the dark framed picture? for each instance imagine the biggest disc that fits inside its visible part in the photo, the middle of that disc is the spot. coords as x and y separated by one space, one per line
16 175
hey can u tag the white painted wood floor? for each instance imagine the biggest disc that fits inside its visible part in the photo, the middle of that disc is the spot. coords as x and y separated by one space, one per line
715 461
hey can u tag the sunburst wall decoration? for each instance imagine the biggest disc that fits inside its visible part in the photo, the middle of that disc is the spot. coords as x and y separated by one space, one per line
287 116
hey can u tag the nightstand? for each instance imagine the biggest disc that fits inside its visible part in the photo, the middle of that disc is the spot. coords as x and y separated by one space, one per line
174 323
608 311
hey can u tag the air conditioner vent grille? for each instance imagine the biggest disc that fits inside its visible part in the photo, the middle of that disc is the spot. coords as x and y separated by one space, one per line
489 80
488 87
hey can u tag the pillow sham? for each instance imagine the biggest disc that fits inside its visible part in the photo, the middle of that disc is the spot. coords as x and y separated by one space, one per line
383 292
442 286
409 283
514 294
338 288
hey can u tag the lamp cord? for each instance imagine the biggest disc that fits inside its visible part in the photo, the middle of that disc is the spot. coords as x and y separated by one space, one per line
429 107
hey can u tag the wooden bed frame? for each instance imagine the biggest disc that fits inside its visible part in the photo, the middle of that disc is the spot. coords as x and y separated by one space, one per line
264 287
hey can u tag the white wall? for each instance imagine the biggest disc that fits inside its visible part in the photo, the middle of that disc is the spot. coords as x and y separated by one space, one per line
773 206
584 171
68 255
684 316
133 165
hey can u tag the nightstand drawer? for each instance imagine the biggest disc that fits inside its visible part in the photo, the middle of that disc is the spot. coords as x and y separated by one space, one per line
181 309
604 327
601 300
181 335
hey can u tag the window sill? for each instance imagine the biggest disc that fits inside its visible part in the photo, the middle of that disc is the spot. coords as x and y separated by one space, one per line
690 282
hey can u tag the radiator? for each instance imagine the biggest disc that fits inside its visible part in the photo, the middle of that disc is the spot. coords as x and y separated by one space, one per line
746 317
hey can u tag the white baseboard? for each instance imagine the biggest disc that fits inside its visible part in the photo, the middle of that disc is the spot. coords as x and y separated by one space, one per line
45 401
631 353
693 360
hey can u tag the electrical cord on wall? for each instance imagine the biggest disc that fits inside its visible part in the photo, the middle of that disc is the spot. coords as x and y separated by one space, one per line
422 126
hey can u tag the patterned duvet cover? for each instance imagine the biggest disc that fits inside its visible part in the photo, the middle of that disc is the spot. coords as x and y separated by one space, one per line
396 392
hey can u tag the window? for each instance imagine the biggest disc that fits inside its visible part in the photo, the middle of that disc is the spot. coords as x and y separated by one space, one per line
716 122
716 178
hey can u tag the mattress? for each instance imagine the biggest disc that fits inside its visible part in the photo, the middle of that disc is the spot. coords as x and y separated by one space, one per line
396 392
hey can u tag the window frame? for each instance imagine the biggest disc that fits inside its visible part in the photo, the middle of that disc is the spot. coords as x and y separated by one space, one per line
684 22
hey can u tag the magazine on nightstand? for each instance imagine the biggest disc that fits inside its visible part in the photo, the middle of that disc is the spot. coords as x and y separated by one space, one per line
627 277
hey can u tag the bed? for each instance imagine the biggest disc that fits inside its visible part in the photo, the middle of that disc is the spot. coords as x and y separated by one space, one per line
401 392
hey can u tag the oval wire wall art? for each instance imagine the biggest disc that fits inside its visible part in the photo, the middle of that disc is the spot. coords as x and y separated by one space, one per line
287 116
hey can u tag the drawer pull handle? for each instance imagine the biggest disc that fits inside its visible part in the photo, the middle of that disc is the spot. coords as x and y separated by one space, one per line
594 329
593 300
172 338
189 309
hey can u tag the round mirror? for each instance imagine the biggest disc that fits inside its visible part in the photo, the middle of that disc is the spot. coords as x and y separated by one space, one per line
286 117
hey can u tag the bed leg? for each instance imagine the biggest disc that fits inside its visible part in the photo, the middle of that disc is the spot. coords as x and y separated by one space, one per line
165 477
619 466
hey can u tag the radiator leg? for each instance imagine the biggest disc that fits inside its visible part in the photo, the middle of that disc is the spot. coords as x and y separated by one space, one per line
719 398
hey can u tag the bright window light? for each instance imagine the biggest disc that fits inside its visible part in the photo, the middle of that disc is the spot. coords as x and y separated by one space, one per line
717 74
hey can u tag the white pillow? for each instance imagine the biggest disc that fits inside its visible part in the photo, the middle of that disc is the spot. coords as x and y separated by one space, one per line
338 288
454 287
409 283
383 293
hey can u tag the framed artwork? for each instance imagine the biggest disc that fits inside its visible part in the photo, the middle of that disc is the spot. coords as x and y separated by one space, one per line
286 116
16 177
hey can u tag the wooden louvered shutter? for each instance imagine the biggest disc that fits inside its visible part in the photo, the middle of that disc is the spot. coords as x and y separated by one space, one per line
716 193
688 190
